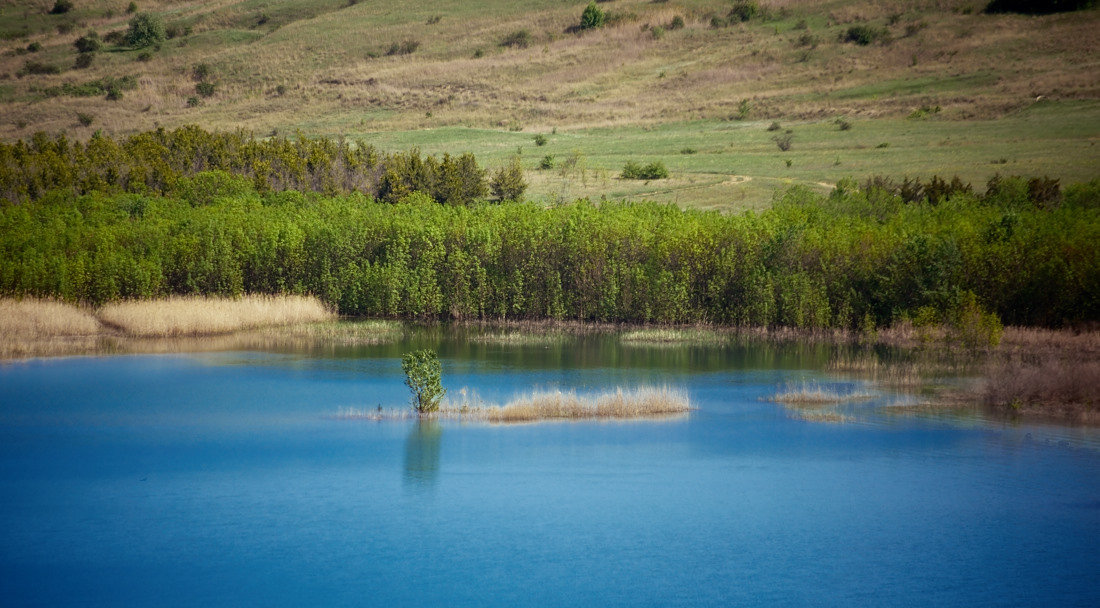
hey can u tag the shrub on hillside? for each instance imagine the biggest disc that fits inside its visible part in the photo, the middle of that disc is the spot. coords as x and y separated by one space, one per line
744 10
508 183
519 39
865 34
88 43
405 47
654 170
145 30
592 17
61 7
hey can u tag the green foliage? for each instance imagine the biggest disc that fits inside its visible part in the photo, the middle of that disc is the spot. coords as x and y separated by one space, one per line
61 7
676 23
654 170
37 67
540 140
520 39
547 162
508 183
84 119
424 377
865 34
205 89
744 10
34 47
592 17
83 60
131 8
88 43
145 30
93 88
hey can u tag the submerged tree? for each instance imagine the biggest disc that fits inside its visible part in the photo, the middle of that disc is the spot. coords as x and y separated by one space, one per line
423 376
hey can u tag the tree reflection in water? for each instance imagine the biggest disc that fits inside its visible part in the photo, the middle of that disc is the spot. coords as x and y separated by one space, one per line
422 453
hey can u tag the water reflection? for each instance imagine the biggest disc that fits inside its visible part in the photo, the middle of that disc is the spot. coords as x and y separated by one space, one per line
422 453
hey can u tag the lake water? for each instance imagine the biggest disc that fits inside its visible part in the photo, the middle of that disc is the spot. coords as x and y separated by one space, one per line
225 479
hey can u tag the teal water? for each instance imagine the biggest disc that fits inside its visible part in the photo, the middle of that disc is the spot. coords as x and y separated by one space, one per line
225 479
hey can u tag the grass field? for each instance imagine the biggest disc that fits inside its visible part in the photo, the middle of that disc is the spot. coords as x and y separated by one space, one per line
952 91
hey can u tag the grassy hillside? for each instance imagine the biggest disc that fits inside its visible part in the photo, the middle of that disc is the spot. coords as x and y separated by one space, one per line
944 89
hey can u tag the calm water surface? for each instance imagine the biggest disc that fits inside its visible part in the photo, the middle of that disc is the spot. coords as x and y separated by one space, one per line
225 479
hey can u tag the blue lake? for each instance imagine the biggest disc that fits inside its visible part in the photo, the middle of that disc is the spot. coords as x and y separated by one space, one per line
226 479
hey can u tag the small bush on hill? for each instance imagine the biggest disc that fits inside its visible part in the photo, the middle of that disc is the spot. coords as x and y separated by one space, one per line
88 43
592 17
145 30
508 183
206 89
654 170
36 68
83 60
744 10
61 7
865 34
519 39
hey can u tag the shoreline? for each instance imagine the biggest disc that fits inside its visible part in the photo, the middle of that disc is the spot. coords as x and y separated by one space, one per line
1061 368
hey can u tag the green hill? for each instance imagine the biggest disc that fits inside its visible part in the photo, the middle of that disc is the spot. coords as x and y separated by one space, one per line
939 87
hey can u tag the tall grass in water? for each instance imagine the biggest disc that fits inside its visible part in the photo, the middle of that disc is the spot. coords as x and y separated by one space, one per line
1065 389
32 327
673 337
810 393
193 316
637 403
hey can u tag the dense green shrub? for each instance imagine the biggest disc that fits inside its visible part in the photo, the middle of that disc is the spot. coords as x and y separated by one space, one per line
405 47
154 162
37 67
592 17
654 170
744 10
61 7
205 89
83 60
865 34
145 30
88 43
423 376
808 261
508 183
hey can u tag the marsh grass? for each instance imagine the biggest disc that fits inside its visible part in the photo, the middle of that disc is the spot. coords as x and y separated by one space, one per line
195 316
674 337
621 404
812 393
523 338
31 327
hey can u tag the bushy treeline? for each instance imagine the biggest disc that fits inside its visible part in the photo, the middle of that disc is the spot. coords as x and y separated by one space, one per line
158 162
851 259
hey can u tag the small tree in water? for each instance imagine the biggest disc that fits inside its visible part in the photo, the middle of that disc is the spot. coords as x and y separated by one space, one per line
423 376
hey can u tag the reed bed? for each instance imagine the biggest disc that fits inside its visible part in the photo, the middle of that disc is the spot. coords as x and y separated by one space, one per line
520 338
34 318
646 402
639 403
196 316
812 393
674 337
1064 389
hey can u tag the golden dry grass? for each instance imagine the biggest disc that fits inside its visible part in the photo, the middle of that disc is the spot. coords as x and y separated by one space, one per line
195 316
622 404
32 327
811 393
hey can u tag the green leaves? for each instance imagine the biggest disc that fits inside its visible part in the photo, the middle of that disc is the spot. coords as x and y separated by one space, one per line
423 376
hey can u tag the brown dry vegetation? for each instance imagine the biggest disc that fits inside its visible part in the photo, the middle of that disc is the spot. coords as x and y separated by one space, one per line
197 315
621 404
326 57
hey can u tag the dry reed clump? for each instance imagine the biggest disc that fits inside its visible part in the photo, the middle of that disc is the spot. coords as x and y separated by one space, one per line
811 393
554 405
33 318
32 327
1065 389
345 333
193 316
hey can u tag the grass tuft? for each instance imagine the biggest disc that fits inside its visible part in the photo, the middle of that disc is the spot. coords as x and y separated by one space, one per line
811 393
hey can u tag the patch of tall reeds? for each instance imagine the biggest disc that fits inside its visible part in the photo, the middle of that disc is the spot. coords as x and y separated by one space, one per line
812 393
622 404
196 315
